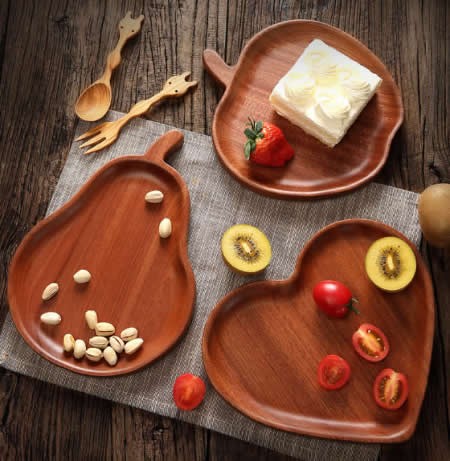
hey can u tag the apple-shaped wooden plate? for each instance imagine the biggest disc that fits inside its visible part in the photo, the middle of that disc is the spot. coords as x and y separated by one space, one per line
263 342
316 170
138 278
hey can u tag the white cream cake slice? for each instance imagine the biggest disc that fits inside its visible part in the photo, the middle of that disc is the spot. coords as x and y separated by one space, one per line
324 92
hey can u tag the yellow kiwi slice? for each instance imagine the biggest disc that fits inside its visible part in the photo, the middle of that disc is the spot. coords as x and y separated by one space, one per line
390 264
246 249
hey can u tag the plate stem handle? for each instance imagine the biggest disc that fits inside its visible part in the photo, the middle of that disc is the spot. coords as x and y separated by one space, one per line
217 67
166 144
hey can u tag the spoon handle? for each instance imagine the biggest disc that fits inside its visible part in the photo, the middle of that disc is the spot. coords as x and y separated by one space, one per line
128 27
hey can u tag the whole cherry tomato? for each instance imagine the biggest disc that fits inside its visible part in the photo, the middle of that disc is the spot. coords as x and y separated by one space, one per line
334 298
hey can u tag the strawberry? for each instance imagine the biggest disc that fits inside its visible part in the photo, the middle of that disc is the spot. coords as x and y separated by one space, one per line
188 391
266 144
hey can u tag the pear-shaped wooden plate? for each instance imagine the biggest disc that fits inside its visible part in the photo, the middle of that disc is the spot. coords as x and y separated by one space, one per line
263 342
138 278
316 170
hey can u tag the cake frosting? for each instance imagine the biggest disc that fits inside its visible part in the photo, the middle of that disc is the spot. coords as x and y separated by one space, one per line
324 92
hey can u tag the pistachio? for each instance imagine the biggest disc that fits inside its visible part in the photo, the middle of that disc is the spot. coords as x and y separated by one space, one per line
154 196
93 354
68 342
91 319
79 349
165 228
98 341
117 344
50 291
132 346
104 329
51 318
82 276
129 333
110 356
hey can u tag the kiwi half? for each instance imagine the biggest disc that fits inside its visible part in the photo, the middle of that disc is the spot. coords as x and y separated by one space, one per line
390 264
246 249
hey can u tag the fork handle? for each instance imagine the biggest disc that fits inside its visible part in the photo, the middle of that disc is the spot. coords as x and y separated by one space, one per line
141 108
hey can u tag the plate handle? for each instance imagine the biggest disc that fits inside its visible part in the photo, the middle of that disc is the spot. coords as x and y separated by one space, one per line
217 67
166 144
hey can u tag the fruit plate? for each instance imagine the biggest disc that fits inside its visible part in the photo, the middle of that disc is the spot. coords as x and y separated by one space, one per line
263 342
138 278
316 170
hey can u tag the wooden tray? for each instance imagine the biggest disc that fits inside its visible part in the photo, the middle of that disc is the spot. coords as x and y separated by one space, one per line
316 169
138 279
263 342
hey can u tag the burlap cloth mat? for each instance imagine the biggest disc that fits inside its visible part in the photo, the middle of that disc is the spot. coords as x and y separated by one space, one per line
217 201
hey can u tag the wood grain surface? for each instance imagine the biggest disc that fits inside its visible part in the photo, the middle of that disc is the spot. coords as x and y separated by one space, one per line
106 225
316 170
263 342
51 49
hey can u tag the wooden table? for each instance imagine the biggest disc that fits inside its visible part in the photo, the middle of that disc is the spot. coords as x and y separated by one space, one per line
51 49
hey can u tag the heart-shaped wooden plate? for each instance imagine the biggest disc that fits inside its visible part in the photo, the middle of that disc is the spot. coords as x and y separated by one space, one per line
263 342
316 170
138 278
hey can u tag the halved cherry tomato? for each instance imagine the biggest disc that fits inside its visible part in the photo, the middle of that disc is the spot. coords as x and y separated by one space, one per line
370 343
390 389
334 372
188 391
334 298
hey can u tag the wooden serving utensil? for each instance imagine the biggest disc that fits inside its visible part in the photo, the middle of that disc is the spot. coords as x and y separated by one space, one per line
94 101
106 133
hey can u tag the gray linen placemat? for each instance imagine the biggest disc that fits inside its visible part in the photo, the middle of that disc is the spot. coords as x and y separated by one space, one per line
218 201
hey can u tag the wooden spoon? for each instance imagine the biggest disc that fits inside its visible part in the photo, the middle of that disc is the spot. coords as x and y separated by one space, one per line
94 101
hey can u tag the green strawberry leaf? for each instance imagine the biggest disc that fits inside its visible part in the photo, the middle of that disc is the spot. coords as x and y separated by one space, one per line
247 150
250 133
258 126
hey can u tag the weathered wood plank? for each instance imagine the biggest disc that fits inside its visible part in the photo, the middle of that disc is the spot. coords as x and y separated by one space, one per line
50 50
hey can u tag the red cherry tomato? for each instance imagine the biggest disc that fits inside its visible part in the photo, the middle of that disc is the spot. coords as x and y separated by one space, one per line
188 391
334 372
390 389
370 343
334 298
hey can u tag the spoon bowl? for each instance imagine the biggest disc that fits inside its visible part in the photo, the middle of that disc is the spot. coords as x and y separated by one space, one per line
94 101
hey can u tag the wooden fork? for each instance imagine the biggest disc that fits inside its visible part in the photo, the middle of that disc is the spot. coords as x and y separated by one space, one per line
106 133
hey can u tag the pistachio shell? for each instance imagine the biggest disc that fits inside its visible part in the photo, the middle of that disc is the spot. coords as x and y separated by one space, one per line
129 333
93 354
68 342
98 341
79 349
51 318
132 346
117 344
49 291
82 276
104 329
91 319
110 356
165 228
154 196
